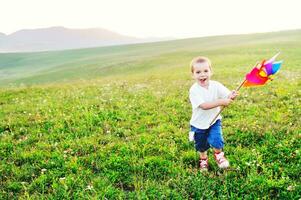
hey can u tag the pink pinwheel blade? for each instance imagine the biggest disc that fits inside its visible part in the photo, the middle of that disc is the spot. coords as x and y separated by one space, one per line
255 78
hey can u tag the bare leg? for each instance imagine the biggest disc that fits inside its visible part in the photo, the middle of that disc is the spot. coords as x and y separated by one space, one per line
203 155
217 150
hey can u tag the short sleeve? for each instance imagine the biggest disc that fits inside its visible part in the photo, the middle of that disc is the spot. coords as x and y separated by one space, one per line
223 92
195 99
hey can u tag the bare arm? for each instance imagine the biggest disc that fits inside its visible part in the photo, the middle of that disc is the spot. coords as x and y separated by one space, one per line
214 104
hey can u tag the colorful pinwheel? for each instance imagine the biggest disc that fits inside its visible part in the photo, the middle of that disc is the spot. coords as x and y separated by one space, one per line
263 72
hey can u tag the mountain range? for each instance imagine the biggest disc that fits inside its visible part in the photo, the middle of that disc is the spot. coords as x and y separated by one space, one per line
60 38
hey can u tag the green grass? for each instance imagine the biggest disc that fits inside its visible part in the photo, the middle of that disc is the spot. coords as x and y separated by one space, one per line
113 122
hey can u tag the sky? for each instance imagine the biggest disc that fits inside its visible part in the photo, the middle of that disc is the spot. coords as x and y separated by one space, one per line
154 18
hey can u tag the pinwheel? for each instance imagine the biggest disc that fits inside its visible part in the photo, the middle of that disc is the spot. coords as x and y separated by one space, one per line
259 75
262 73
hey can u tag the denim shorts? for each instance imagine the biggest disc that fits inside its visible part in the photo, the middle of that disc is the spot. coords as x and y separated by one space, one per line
206 138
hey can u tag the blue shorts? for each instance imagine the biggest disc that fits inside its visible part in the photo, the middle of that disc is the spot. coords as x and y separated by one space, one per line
204 138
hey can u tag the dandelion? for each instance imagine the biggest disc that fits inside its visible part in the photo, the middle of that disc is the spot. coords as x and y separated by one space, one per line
290 188
62 180
89 187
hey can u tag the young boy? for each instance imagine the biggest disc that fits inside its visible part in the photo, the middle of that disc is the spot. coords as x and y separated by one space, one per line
206 97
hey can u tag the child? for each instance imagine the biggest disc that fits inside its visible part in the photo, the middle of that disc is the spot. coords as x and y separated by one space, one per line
206 97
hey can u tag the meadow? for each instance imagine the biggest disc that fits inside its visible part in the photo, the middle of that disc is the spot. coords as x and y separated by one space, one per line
113 122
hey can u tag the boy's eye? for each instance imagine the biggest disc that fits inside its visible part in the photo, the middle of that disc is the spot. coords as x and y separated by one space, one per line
206 71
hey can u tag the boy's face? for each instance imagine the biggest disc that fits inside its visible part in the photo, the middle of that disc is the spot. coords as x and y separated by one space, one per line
202 73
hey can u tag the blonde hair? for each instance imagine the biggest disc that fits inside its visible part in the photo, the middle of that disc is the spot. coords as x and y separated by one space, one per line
200 59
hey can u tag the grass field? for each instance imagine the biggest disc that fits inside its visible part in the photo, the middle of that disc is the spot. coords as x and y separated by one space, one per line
113 122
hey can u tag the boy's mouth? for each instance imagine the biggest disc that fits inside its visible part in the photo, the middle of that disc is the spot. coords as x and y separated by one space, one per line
202 80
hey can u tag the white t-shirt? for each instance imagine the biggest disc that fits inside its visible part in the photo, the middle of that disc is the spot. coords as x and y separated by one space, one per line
201 118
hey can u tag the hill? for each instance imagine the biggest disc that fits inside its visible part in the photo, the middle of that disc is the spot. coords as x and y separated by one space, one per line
112 123
58 38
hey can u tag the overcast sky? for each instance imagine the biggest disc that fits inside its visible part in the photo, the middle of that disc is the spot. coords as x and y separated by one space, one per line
156 18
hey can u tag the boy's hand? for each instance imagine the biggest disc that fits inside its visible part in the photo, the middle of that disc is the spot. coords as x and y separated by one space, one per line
233 95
